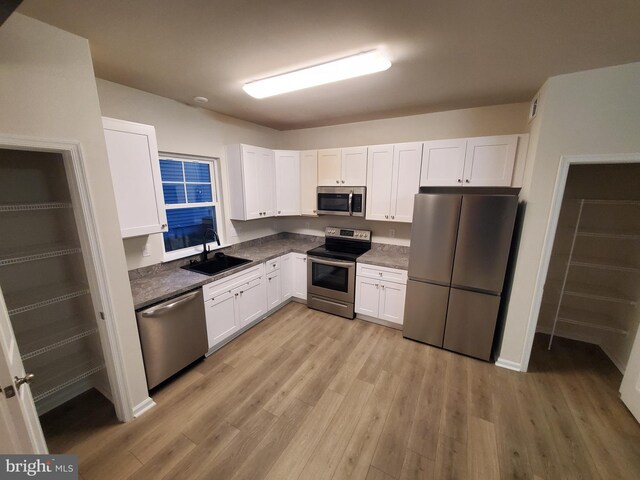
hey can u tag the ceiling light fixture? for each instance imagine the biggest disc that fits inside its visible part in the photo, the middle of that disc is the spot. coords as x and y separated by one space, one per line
201 100
342 69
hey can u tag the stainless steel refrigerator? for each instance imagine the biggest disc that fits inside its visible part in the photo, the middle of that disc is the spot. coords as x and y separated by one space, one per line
458 259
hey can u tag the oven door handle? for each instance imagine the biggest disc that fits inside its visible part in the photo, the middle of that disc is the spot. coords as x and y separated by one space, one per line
333 263
351 202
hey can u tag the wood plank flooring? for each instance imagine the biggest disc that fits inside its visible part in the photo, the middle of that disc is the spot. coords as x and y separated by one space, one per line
306 395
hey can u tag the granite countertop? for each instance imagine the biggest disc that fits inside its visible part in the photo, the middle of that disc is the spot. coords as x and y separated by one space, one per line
153 284
384 255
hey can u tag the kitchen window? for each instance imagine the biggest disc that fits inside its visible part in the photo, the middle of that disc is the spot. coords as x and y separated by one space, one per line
192 201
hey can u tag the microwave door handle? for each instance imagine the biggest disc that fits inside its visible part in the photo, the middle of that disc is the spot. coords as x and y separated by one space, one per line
351 202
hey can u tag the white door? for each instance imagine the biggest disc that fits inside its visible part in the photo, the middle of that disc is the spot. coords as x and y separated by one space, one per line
379 173
286 276
221 318
309 182
300 275
251 173
443 163
630 388
489 161
267 182
287 163
354 166
407 161
274 290
251 301
19 421
367 296
391 306
329 167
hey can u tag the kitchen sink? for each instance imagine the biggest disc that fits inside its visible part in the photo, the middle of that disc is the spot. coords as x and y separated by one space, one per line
219 263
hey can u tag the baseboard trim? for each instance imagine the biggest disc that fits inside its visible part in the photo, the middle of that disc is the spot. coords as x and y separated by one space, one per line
615 360
509 364
379 321
143 407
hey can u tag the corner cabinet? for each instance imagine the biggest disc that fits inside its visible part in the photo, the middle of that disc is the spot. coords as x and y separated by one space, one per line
477 162
393 178
132 150
381 292
252 182
342 166
287 164
299 275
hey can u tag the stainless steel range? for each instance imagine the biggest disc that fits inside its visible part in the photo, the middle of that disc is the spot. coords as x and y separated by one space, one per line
331 270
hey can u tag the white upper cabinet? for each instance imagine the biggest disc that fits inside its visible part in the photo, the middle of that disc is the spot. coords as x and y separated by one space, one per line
354 167
393 178
489 161
443 162
252 182
135 171
308 182
342 167
476 162
287 163
379 173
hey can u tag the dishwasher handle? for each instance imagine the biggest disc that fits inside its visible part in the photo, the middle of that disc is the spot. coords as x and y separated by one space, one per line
170 306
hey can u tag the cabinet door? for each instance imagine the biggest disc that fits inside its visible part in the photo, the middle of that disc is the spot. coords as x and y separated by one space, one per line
489 161
329 167
221 318
443 163
379 173
300 275
251 301
267 183
392 297
367 296
309 182
274 290
135 171
251 179
287 165
286 273
354 166
407 160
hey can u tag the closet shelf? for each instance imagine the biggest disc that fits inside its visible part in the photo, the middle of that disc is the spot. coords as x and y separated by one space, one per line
57 339
599 292
602 264
37 252
25 207
52 378
590 319
40 297
596 233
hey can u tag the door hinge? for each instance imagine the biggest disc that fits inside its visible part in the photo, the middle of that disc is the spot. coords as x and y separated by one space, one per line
9 391
102 315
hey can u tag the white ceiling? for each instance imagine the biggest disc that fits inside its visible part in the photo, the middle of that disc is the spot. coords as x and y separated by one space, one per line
446 54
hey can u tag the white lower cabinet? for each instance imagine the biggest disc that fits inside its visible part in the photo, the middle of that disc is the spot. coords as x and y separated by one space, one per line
221 318
274 289
379 297
299 275
286 276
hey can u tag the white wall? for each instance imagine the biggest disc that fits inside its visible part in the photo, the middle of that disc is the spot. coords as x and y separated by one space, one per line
590 112
49 91
185 129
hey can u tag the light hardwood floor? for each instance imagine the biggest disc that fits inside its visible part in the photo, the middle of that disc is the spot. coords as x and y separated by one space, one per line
306 395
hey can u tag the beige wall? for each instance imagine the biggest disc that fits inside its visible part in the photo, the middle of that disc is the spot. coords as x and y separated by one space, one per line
49 91
590 112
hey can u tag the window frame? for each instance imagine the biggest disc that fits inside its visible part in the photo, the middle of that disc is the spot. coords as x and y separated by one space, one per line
216 194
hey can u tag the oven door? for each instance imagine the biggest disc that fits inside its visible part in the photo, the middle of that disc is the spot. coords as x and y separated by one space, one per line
329 278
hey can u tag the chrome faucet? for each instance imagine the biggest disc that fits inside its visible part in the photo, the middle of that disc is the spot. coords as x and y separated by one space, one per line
205 249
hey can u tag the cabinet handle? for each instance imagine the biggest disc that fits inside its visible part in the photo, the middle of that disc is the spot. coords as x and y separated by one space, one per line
386 216
459 180
305 259
382 286
342 181
236 294
337 181
392 217
314 211
467 181
164 225
279 211
380 273
377 286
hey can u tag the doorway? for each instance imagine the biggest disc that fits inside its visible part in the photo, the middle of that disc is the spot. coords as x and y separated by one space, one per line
49 287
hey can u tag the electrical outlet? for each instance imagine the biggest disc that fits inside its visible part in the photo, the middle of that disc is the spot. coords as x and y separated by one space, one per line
392 232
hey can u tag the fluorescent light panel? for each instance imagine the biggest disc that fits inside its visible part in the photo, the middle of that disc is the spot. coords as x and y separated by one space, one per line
342 69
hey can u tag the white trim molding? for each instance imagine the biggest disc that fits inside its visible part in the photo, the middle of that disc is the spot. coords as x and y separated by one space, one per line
558 193
508 364
143 407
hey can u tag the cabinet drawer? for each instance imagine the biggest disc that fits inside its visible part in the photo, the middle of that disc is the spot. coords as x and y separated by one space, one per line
272 265
382 273
224 285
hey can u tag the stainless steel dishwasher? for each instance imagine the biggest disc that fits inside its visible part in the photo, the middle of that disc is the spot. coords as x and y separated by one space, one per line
173 335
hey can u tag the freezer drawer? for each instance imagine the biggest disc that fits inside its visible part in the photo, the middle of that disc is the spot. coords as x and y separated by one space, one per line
173 334
433 237
484 240
425 312
471 323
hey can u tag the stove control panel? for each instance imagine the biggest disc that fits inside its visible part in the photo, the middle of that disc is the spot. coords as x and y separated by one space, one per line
348 233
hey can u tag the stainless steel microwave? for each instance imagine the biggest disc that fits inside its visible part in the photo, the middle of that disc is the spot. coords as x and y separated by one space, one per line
341 201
